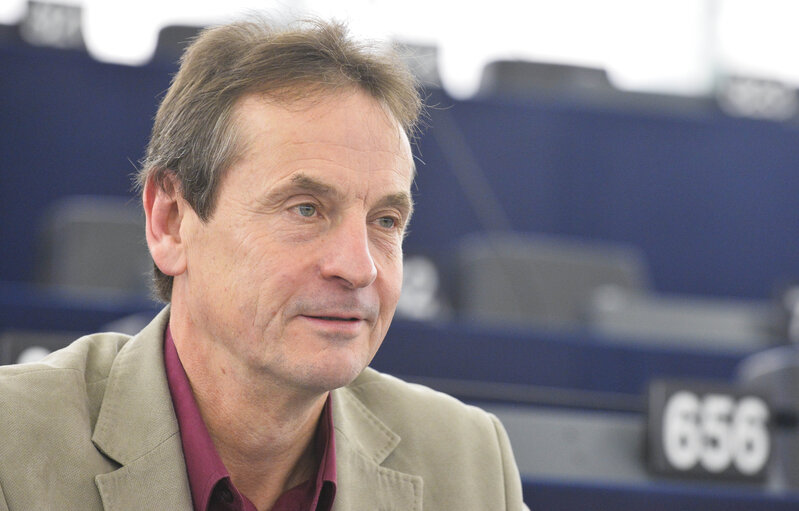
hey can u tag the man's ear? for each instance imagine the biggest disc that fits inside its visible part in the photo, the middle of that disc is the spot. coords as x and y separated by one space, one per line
163 209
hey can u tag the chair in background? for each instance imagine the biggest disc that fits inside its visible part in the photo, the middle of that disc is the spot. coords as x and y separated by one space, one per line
91 250
542 280
774 373
527 80
726 324
521 78
94 246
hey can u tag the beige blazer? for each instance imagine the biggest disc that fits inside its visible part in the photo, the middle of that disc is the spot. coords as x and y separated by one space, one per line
92 428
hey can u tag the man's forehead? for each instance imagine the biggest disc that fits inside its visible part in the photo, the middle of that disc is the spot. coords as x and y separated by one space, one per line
344 127
317 104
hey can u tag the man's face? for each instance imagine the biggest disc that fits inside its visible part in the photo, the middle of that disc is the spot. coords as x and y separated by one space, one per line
296 276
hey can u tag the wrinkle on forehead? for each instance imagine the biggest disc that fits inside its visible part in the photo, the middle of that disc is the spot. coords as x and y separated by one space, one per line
319 104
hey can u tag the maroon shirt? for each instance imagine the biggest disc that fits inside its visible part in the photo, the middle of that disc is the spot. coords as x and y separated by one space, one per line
209 480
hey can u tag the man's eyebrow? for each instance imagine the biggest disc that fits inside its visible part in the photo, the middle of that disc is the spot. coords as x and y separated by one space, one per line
298 183
303 183
399 200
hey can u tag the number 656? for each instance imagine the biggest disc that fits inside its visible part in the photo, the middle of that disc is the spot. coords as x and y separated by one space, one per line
716 432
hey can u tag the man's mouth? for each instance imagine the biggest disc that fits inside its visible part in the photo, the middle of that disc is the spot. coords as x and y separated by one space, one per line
347 326
345 319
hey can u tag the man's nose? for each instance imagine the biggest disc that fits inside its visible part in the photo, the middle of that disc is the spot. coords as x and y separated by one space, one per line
348 256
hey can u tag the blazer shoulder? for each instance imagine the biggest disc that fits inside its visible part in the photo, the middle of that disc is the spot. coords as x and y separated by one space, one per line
67 382
409 408
91 355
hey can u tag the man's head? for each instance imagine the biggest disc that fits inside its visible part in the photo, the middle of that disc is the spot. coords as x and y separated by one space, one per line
276 206
195 138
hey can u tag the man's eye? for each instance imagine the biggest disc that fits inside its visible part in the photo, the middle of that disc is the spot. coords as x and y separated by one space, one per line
387 222
306 210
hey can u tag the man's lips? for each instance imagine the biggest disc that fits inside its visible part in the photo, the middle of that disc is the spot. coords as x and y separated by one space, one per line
346 326
326 317
336 311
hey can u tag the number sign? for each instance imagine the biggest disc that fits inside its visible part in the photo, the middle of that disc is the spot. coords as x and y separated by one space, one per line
707 430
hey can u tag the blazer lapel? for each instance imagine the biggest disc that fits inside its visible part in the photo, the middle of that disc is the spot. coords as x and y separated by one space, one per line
137 428
363 442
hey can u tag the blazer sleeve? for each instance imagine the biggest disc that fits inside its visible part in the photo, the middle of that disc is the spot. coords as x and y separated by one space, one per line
510 471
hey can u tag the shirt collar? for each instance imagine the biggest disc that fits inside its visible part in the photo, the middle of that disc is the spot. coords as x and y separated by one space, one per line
204 466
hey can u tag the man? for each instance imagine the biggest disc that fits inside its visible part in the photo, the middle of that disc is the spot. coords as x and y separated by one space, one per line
276 190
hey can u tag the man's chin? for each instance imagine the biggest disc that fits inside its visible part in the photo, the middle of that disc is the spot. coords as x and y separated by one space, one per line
340 379
330 376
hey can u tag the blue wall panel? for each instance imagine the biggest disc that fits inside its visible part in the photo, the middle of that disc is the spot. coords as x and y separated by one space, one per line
711 200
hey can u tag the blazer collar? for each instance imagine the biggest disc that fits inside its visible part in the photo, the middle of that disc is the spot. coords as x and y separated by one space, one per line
137 428
363 443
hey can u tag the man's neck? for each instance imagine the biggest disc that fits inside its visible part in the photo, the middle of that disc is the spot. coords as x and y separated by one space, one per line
272 456
263 432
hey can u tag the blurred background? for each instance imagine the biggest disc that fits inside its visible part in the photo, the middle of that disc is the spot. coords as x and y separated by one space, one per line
606 197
